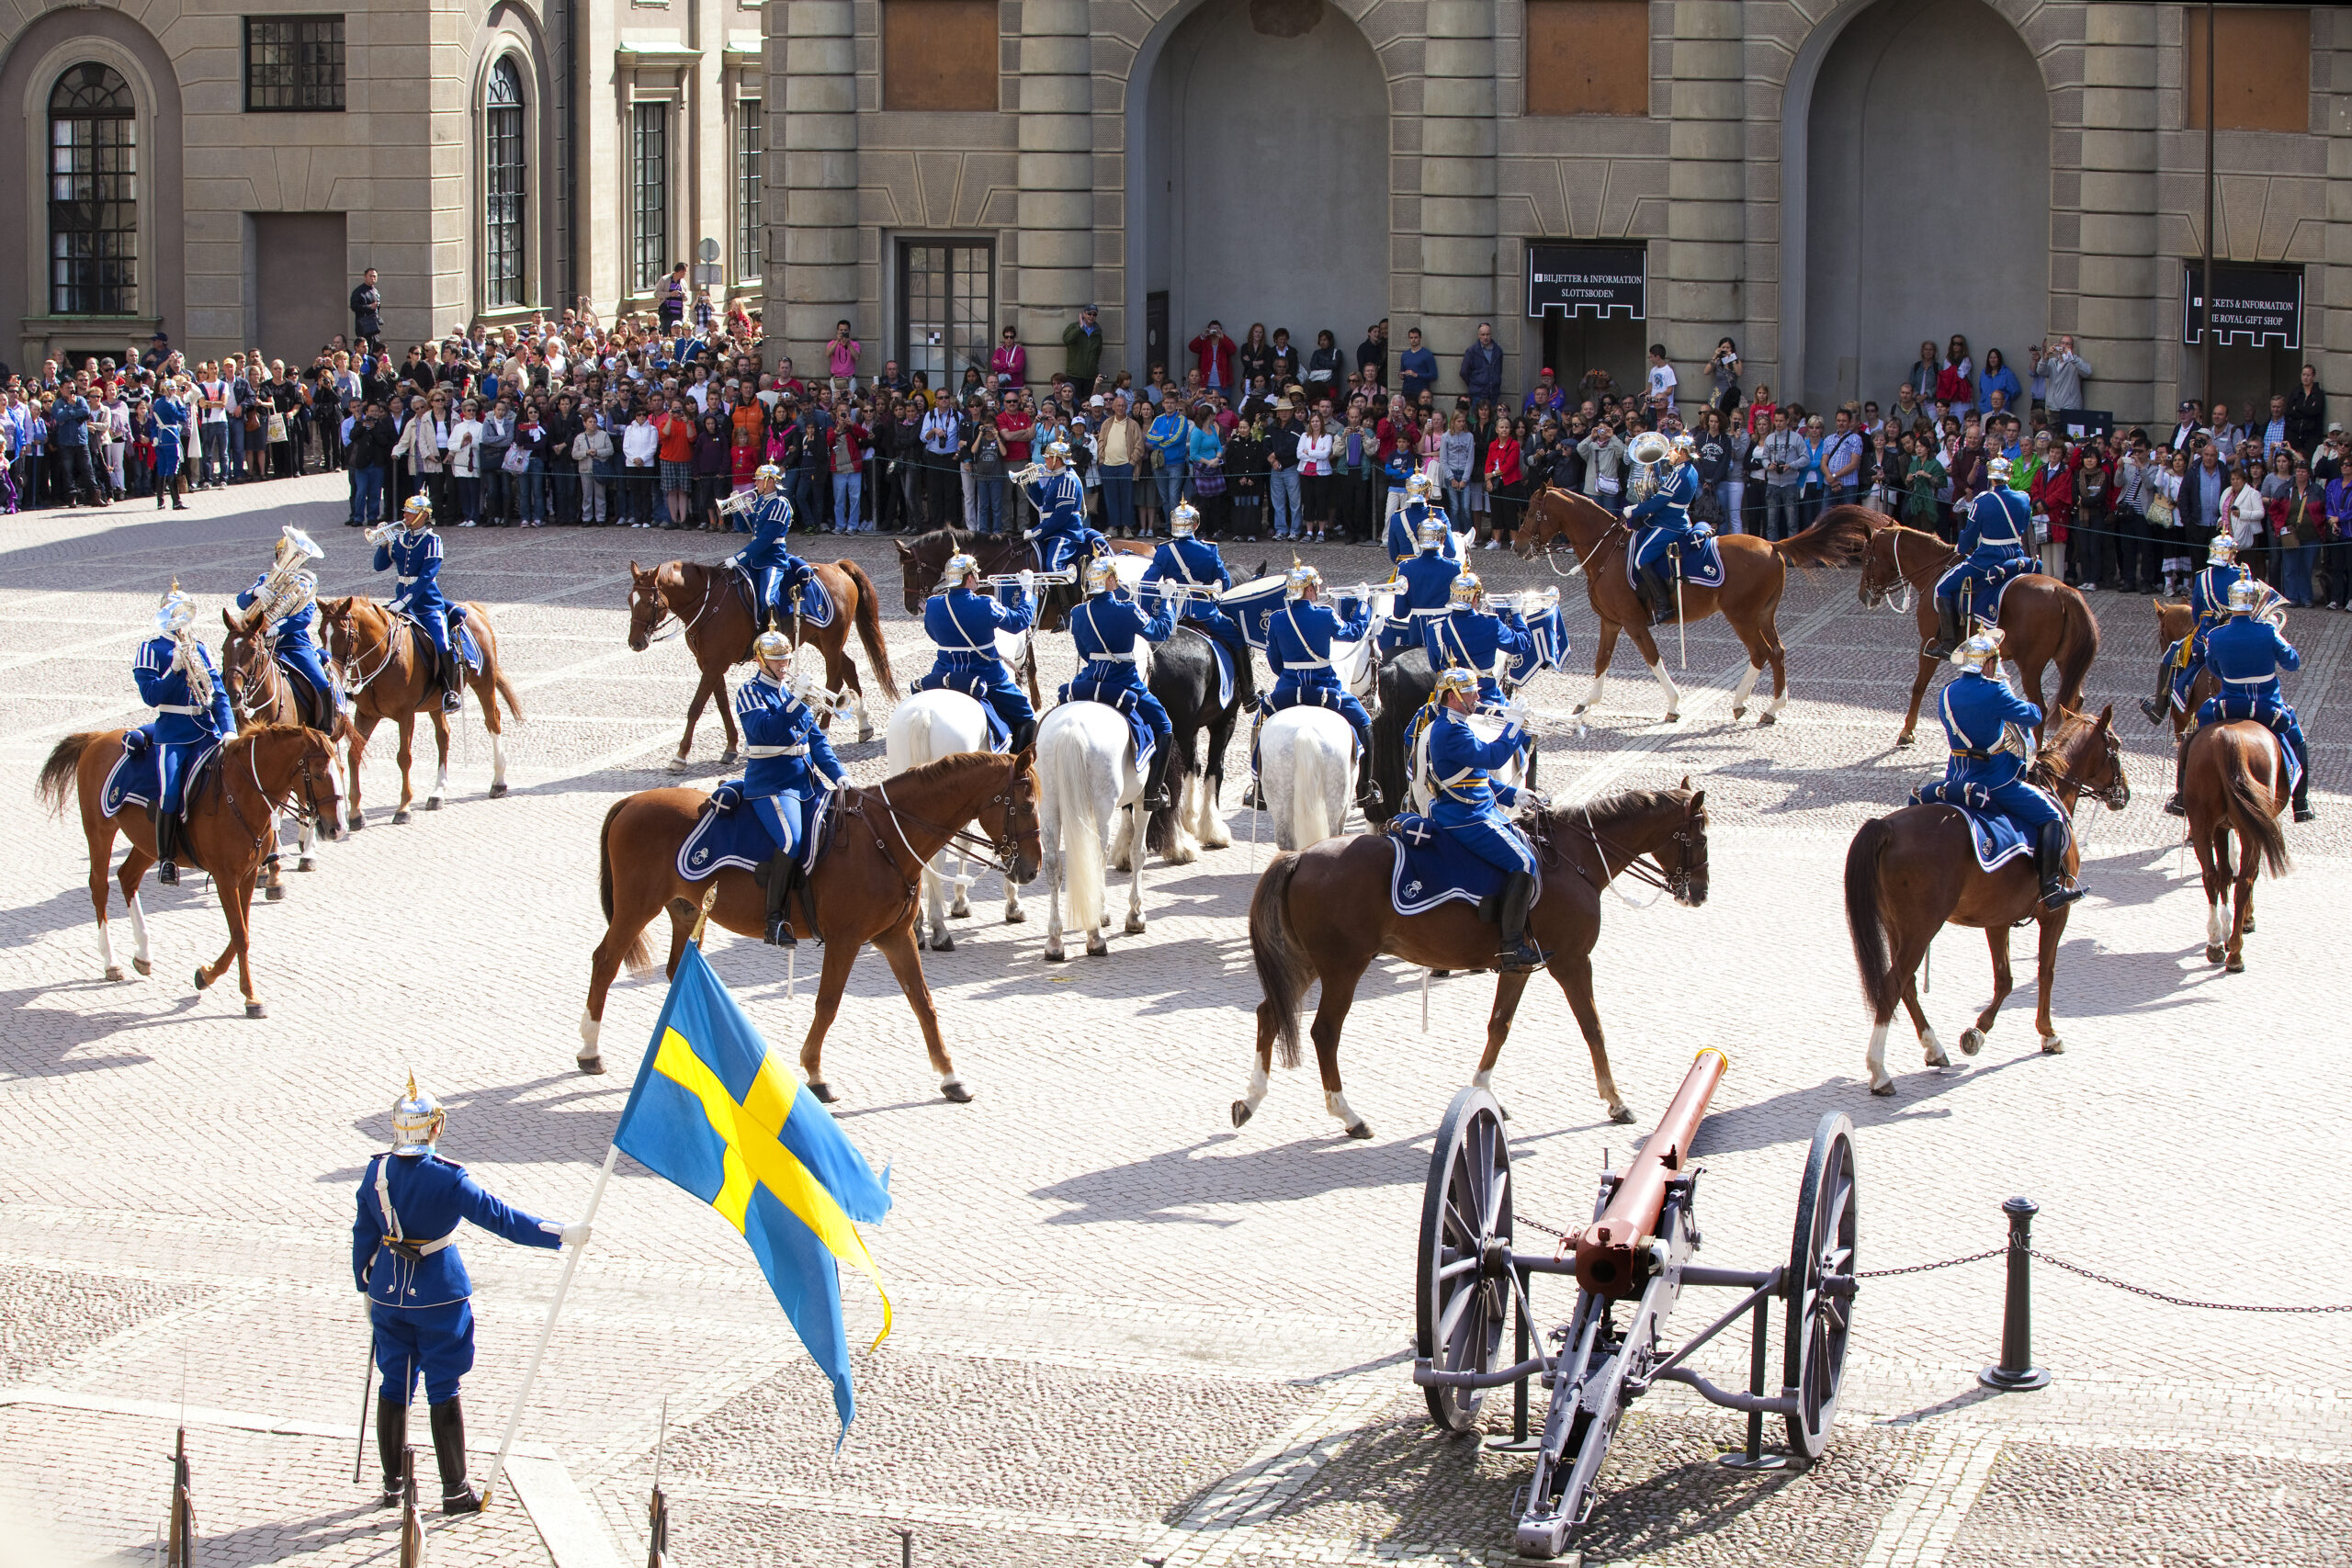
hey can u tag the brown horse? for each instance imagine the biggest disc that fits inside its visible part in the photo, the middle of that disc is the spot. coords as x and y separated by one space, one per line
923 561
1755 574
1324 913
263 692
1910 874
232 809
2042 620
864 887
711 607
391 671
2237 783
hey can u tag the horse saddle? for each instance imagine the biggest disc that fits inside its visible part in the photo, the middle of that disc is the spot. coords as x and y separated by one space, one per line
1432 869
137 776
731 833
460 635
1997 838
815 607
1701 557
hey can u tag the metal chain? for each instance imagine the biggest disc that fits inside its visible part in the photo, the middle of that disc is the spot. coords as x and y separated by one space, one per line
2175 1300
1926 1267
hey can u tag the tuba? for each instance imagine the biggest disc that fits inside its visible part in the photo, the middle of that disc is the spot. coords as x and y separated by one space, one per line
290 587
1648 450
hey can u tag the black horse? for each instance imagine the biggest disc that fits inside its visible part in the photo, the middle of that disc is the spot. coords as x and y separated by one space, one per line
1183 677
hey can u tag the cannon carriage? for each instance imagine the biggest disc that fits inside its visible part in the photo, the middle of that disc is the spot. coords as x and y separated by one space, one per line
1631 1264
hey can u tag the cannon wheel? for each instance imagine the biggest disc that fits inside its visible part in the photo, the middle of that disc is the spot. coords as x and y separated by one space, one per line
1818 1322
1463 1297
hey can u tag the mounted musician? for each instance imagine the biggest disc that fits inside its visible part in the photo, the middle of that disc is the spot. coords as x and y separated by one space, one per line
2208 600
1661 521
1469 806
1428 576
1196 563
1472 635
420 1299
2246 653
1062 537
1988 725
789 770
775 572
412 550
1992 549
962 621
287 596
1298 647
176 677
1407 524
1106 626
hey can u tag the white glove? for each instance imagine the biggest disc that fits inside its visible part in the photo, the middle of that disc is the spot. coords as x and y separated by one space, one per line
568 1233
1028 581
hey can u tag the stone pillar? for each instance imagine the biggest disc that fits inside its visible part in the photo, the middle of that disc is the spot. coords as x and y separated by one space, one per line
1706 190
1054 264
813 280
1458 219
2327 314
2117 280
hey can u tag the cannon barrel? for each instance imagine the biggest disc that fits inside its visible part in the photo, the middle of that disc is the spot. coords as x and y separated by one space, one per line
1609 1251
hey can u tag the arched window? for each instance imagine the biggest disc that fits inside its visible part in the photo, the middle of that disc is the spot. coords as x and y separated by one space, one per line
92 195
504 172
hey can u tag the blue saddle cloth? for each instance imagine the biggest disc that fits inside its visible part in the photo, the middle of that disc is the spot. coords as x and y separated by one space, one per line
738 838
137 776
1996 838
1432 869
816 605
1702 566
1224 671
1992 584
2230 709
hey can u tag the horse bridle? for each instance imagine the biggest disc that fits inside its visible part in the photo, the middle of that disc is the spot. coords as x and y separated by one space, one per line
1676 883
240 688
1902 579
654 633
996 851
354 684
306 792
2114 796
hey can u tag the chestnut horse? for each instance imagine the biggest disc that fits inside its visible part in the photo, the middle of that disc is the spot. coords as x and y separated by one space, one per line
1324 913
924 560
391 672
710 606
1755 574
1915 871
261 692
2042 621
2237 782
863 888
232 811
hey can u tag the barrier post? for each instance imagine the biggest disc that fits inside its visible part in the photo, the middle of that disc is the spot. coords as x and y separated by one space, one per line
2016 1372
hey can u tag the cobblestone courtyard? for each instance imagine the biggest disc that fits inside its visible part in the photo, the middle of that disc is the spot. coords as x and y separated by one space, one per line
1127 1332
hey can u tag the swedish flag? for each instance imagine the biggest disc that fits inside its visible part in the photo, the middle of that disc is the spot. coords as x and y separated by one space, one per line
714 1112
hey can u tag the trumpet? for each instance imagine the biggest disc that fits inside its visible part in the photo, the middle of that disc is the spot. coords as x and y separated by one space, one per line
381 533
1527 602
739 502
1038 578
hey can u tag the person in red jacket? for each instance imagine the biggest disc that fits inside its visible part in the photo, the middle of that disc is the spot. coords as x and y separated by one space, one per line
2053 497
1213 351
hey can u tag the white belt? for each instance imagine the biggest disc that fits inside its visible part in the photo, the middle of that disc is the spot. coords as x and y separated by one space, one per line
2232 680
1290 665
429 1247
404 581
1441 610
758 752
184 709
1113 657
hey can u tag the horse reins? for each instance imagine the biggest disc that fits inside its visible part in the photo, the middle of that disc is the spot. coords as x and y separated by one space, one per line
654 633
1585 559
991 852
1677 883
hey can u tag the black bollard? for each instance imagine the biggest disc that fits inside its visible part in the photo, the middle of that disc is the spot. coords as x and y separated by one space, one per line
906 1547
2016 1372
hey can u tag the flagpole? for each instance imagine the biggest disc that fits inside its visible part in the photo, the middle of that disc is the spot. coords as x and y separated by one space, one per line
546 1329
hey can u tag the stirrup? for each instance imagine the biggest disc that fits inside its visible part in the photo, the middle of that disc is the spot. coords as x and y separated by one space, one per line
2058 897
167 873
779 931
1525 958
2154 710
2173 807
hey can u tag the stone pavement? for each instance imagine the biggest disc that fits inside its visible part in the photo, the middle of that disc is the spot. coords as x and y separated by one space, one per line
1127 1332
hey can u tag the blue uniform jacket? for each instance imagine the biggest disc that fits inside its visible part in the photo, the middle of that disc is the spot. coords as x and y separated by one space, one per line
1299 638
785 750
1995 529
1106 628
1477 640
1428 596
415 556
1405 532
1060 501
1459 767
771 520
2248 655
963 626
1189 561
1977 711
1668 506
180 720
429 1195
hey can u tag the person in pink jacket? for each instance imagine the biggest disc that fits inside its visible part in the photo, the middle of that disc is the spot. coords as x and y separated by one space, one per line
841 358
1009 366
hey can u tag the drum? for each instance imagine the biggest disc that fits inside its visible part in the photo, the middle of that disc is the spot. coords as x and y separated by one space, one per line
1252 602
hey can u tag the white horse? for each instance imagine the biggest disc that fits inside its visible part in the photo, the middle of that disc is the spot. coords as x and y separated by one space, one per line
1086 771
1306 772
923 728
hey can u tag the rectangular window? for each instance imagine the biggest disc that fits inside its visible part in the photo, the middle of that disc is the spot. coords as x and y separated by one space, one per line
751 151
939 55
648 194
947 301
93 215
293 63
2262 58
502 162
1587 57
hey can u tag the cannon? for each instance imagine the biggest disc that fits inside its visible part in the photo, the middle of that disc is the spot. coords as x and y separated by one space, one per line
1631 1264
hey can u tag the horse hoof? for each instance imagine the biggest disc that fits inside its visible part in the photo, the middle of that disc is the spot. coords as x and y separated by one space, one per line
142 967
356 823
677 765
1134 925
2054 1046
1937 1059
306 863
1016 917
1883 1090
1906 739
592 1066
1054 955
1671 718
2236 966
953 1090
1241 1112
1971 1041
1738 714
254 1010
2216 953
822 1090
865 733
2247 929
1504 1109
727 759
497 788
1577 709
1766 716
1622 1114
944 943
274 893
1097 949
114 971
400 818
1359 1130
201 983
433 803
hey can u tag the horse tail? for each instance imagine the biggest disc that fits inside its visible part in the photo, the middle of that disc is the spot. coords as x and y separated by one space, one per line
2077 649
58 773
1283 970
1842 534
869 627
1072 785
1864 917
1310 817
637 958
2252 815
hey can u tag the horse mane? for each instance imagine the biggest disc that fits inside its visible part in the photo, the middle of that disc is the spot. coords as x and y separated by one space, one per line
946 540
952 766
1611 809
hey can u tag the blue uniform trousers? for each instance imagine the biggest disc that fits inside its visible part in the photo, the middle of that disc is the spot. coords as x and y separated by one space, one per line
1056 548
2265 710
303 658
779 582
432 618
2186 671
1651 545
1492 839
991 685
785 816
2025 805
434 1343
172 762
1986 575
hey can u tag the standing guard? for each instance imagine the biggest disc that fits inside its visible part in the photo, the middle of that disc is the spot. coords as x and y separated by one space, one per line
1992 548
175 676
1062 537
404 1259
790 769
2208 603
775 572
962 623
1409 523
1429 577
1468 805
1298 647
1186 558
1661 521
412 550
1105 627
2247 653
1986 725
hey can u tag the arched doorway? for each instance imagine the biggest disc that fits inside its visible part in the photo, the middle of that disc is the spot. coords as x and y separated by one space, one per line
1260 188
1927 199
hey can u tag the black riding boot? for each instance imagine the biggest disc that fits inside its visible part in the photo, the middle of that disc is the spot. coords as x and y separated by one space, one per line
392 1439
1025 734
2159 707
2049 864
1948 632
1517 951
167 844
1155 783
449 1457
1368 798
1255 800
1659 593
2178 805
2303 797
778 873
453 679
